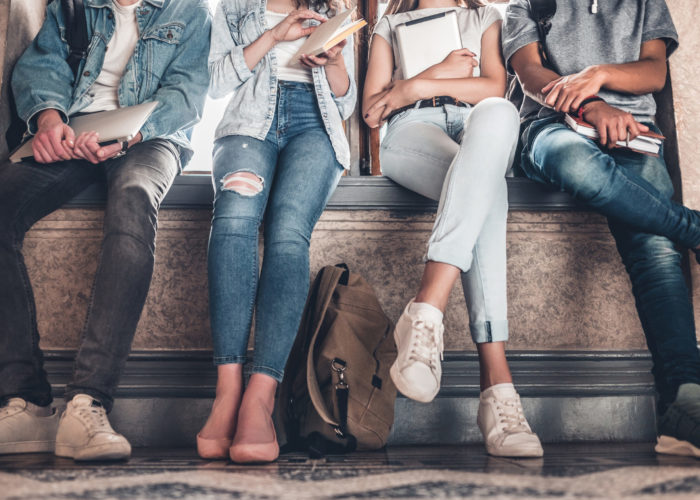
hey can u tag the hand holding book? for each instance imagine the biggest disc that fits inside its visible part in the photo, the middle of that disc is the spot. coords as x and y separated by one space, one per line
613 128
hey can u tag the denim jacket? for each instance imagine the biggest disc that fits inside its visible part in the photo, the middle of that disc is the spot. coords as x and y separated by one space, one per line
238 23
168 65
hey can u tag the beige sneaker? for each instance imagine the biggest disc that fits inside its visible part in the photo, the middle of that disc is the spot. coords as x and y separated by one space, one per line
23 428
503 425
84 433
417 370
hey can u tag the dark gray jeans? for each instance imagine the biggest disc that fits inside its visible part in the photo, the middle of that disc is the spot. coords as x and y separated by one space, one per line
136 184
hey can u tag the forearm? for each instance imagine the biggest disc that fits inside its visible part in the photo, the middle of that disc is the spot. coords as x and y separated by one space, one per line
534 78
639 77
470 90
254 52
337 76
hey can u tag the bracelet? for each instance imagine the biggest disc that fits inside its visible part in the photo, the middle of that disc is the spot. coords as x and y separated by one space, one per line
587 100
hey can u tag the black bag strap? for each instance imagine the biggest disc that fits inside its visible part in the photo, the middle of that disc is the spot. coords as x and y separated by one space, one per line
76 33
542 13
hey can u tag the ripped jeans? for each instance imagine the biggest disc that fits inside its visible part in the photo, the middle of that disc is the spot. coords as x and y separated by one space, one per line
288 178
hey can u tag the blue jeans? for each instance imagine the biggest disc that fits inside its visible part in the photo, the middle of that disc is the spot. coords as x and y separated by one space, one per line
459 155
295 172
136 184
634 192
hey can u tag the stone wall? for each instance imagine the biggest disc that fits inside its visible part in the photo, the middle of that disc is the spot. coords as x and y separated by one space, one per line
567 288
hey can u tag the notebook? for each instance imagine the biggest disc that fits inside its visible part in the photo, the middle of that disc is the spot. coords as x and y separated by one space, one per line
329 34
427 41
117 125
647 143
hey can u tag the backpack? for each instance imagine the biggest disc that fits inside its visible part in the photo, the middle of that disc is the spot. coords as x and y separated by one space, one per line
337 395
77 36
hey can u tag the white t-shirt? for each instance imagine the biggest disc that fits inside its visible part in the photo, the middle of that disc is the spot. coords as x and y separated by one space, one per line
119 51
472 25
284 51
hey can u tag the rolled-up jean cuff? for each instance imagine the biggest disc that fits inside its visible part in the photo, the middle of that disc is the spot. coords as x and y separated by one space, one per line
489 331
230 360
271 372
446 254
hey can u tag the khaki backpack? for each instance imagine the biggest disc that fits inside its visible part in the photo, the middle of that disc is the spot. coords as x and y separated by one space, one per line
337 395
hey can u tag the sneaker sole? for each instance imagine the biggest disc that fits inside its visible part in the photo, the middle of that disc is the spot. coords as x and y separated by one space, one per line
668 445
97 452
27 447
521 453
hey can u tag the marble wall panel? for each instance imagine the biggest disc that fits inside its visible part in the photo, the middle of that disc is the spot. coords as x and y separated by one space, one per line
685 75
567 286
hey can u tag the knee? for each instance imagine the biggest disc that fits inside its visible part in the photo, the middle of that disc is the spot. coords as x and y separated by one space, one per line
133 212
498 115
287 238
646 253
243 183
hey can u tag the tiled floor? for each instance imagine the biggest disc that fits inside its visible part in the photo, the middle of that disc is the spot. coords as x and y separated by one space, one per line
583 471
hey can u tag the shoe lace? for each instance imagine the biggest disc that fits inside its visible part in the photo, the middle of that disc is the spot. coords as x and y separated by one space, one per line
426 342
95 418
511 416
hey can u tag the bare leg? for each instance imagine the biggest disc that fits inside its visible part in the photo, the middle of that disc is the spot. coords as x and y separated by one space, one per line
493 366
221 423
437 283
255 439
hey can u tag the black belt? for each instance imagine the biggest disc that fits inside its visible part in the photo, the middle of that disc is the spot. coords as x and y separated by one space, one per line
434 102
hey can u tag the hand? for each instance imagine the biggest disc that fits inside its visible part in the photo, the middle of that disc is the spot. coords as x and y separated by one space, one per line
398 94
566 93
291 29
612 123
54 140
459 63
87 147
330 57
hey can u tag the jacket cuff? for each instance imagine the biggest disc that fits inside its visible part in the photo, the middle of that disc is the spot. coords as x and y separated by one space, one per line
34 112
239 64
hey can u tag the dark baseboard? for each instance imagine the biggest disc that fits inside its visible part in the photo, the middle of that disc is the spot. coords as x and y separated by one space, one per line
353 193
191 374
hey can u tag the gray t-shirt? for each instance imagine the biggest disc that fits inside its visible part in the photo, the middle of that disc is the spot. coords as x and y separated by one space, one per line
579 39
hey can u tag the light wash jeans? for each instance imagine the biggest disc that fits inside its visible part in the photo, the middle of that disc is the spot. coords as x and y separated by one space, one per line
460 156
298 171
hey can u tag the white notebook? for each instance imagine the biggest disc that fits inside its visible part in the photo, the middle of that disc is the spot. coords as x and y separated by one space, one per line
117 125
427 41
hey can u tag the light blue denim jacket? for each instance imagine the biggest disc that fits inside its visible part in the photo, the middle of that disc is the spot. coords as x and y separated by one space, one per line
238 23
168 65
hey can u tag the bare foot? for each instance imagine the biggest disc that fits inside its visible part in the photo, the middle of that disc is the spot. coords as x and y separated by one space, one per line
215 437
255 439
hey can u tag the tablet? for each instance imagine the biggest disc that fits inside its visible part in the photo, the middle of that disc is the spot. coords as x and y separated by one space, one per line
427 41
117 125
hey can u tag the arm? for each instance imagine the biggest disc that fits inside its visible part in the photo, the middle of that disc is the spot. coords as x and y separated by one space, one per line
41 78
612 123
182 88
232 64
491 83
646 75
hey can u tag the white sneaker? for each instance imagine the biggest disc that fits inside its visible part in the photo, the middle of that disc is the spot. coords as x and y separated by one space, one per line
84 433
503 425
417 370
27 428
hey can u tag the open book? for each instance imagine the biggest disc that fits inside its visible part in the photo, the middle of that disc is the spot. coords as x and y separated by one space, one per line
329 34
647 143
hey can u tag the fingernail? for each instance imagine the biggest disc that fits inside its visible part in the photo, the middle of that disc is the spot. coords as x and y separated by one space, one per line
100 153
367 115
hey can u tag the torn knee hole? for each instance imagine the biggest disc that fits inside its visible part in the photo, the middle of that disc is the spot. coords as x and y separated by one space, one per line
243 183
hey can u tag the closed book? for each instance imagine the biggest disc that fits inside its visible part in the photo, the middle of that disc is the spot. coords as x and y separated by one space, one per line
647 143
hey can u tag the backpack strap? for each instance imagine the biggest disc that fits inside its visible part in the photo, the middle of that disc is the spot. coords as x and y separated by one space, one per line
542 13
330 278
76 33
